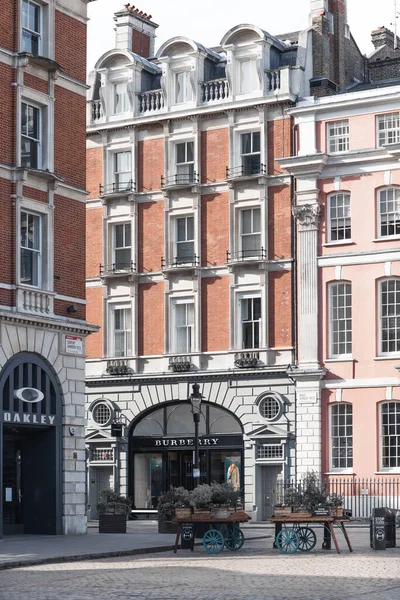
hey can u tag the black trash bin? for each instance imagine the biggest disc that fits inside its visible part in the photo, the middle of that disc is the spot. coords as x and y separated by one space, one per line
382 532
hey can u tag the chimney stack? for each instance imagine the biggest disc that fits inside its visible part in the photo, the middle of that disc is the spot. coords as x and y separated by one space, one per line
383 37
135 31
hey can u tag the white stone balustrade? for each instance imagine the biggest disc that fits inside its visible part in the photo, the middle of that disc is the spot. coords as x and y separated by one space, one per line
216 90
35 301
151 101
97 110
278 81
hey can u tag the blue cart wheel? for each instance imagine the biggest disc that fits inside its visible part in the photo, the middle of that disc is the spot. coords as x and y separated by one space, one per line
213 541
287 541
307 539
234 538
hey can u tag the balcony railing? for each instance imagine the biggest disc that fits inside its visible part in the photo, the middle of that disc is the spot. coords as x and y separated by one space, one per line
151 101
117 269
245 171
242 255
35 301
247 360
278 80
179 364
117 188
180 262
118 366
179 179
216 90
97 110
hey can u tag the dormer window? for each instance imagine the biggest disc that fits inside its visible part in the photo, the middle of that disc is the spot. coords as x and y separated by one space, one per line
248 76
183 88
121 100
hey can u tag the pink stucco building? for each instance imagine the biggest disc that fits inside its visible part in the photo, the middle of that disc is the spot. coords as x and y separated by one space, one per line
347 207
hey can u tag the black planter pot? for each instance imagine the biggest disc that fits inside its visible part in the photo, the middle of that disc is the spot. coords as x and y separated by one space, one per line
112 523
165 524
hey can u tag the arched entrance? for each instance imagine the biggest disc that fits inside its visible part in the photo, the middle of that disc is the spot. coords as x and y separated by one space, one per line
30 446
161 445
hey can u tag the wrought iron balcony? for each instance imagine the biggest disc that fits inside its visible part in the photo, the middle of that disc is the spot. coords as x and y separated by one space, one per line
246 171
179 364
254 254
179 180
117 188
118 268
118 366
182 262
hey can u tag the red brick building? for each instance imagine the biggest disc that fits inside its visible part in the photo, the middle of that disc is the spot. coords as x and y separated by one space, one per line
42 266
190 257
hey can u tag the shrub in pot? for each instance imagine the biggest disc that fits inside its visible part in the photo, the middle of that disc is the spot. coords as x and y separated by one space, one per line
167 504
200 498
113 512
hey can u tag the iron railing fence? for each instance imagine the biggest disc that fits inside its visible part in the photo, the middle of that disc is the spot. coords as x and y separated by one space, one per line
360 495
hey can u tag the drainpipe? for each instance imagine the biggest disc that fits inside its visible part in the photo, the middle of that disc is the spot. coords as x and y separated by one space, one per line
295 289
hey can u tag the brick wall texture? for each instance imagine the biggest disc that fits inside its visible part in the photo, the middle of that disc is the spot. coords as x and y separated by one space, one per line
214 155
94 171
70 52
279 143
215 314
94 241
214 228
150 235
94 315
279 222
151 318
280 309
150 164
70 126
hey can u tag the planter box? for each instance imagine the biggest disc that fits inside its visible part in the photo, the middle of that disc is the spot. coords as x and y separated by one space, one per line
202 511
302 514
337 511
112 523
220 513
183 513
281 511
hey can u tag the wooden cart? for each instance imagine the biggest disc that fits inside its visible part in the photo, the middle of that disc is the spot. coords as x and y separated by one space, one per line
221 533
299 536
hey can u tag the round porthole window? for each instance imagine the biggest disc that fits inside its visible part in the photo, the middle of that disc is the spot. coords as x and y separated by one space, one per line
102 414
270 407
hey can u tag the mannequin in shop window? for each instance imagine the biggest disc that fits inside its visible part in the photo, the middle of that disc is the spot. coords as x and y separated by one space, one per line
233 476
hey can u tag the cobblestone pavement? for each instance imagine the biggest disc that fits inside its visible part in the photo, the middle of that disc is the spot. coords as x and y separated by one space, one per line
257 572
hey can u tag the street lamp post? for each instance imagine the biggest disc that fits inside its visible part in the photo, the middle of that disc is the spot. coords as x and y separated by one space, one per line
195 399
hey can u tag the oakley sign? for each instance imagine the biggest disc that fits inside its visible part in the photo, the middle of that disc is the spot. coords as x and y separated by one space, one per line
31 395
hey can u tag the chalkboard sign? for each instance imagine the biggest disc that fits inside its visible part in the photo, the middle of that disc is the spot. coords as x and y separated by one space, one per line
323 511
187 531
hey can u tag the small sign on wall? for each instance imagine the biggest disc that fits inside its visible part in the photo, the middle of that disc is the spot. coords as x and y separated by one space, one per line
307 397
73 344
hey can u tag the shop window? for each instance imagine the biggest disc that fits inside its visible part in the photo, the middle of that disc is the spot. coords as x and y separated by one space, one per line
250 149
390 435
341 436
390 316
339 224
249 81
30 136
340 319
337 133
31 27
388 129
389 212
250 232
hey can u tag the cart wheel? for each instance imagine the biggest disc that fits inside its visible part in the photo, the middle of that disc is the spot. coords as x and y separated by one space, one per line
213 541
287 541
307 539
234 538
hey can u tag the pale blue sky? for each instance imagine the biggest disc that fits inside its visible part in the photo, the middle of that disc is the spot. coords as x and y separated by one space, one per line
206 21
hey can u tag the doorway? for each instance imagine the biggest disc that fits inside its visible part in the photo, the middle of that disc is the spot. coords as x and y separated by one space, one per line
101 478
269 489
29 476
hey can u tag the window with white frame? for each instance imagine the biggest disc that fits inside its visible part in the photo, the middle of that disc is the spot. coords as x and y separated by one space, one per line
390 315
340 319
121 331
122 247
122 171
250 153
184 236
30 136
31 250
185 162
390 435
31 27
250 322
388 129
250 232
248 76
121 99
341 436
270 451
183 87
337 133
182 326
389 211
339 226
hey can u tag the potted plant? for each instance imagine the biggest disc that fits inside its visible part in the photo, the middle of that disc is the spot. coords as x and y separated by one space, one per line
223 500
335 501
200 499
113 512
281 510
182 503
166 511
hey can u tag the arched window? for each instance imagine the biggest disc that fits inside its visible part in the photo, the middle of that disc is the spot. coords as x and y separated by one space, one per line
340 319
389 212
341 438
389 318
390 435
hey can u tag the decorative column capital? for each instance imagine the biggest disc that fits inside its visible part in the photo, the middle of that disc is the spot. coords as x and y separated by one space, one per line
307 215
